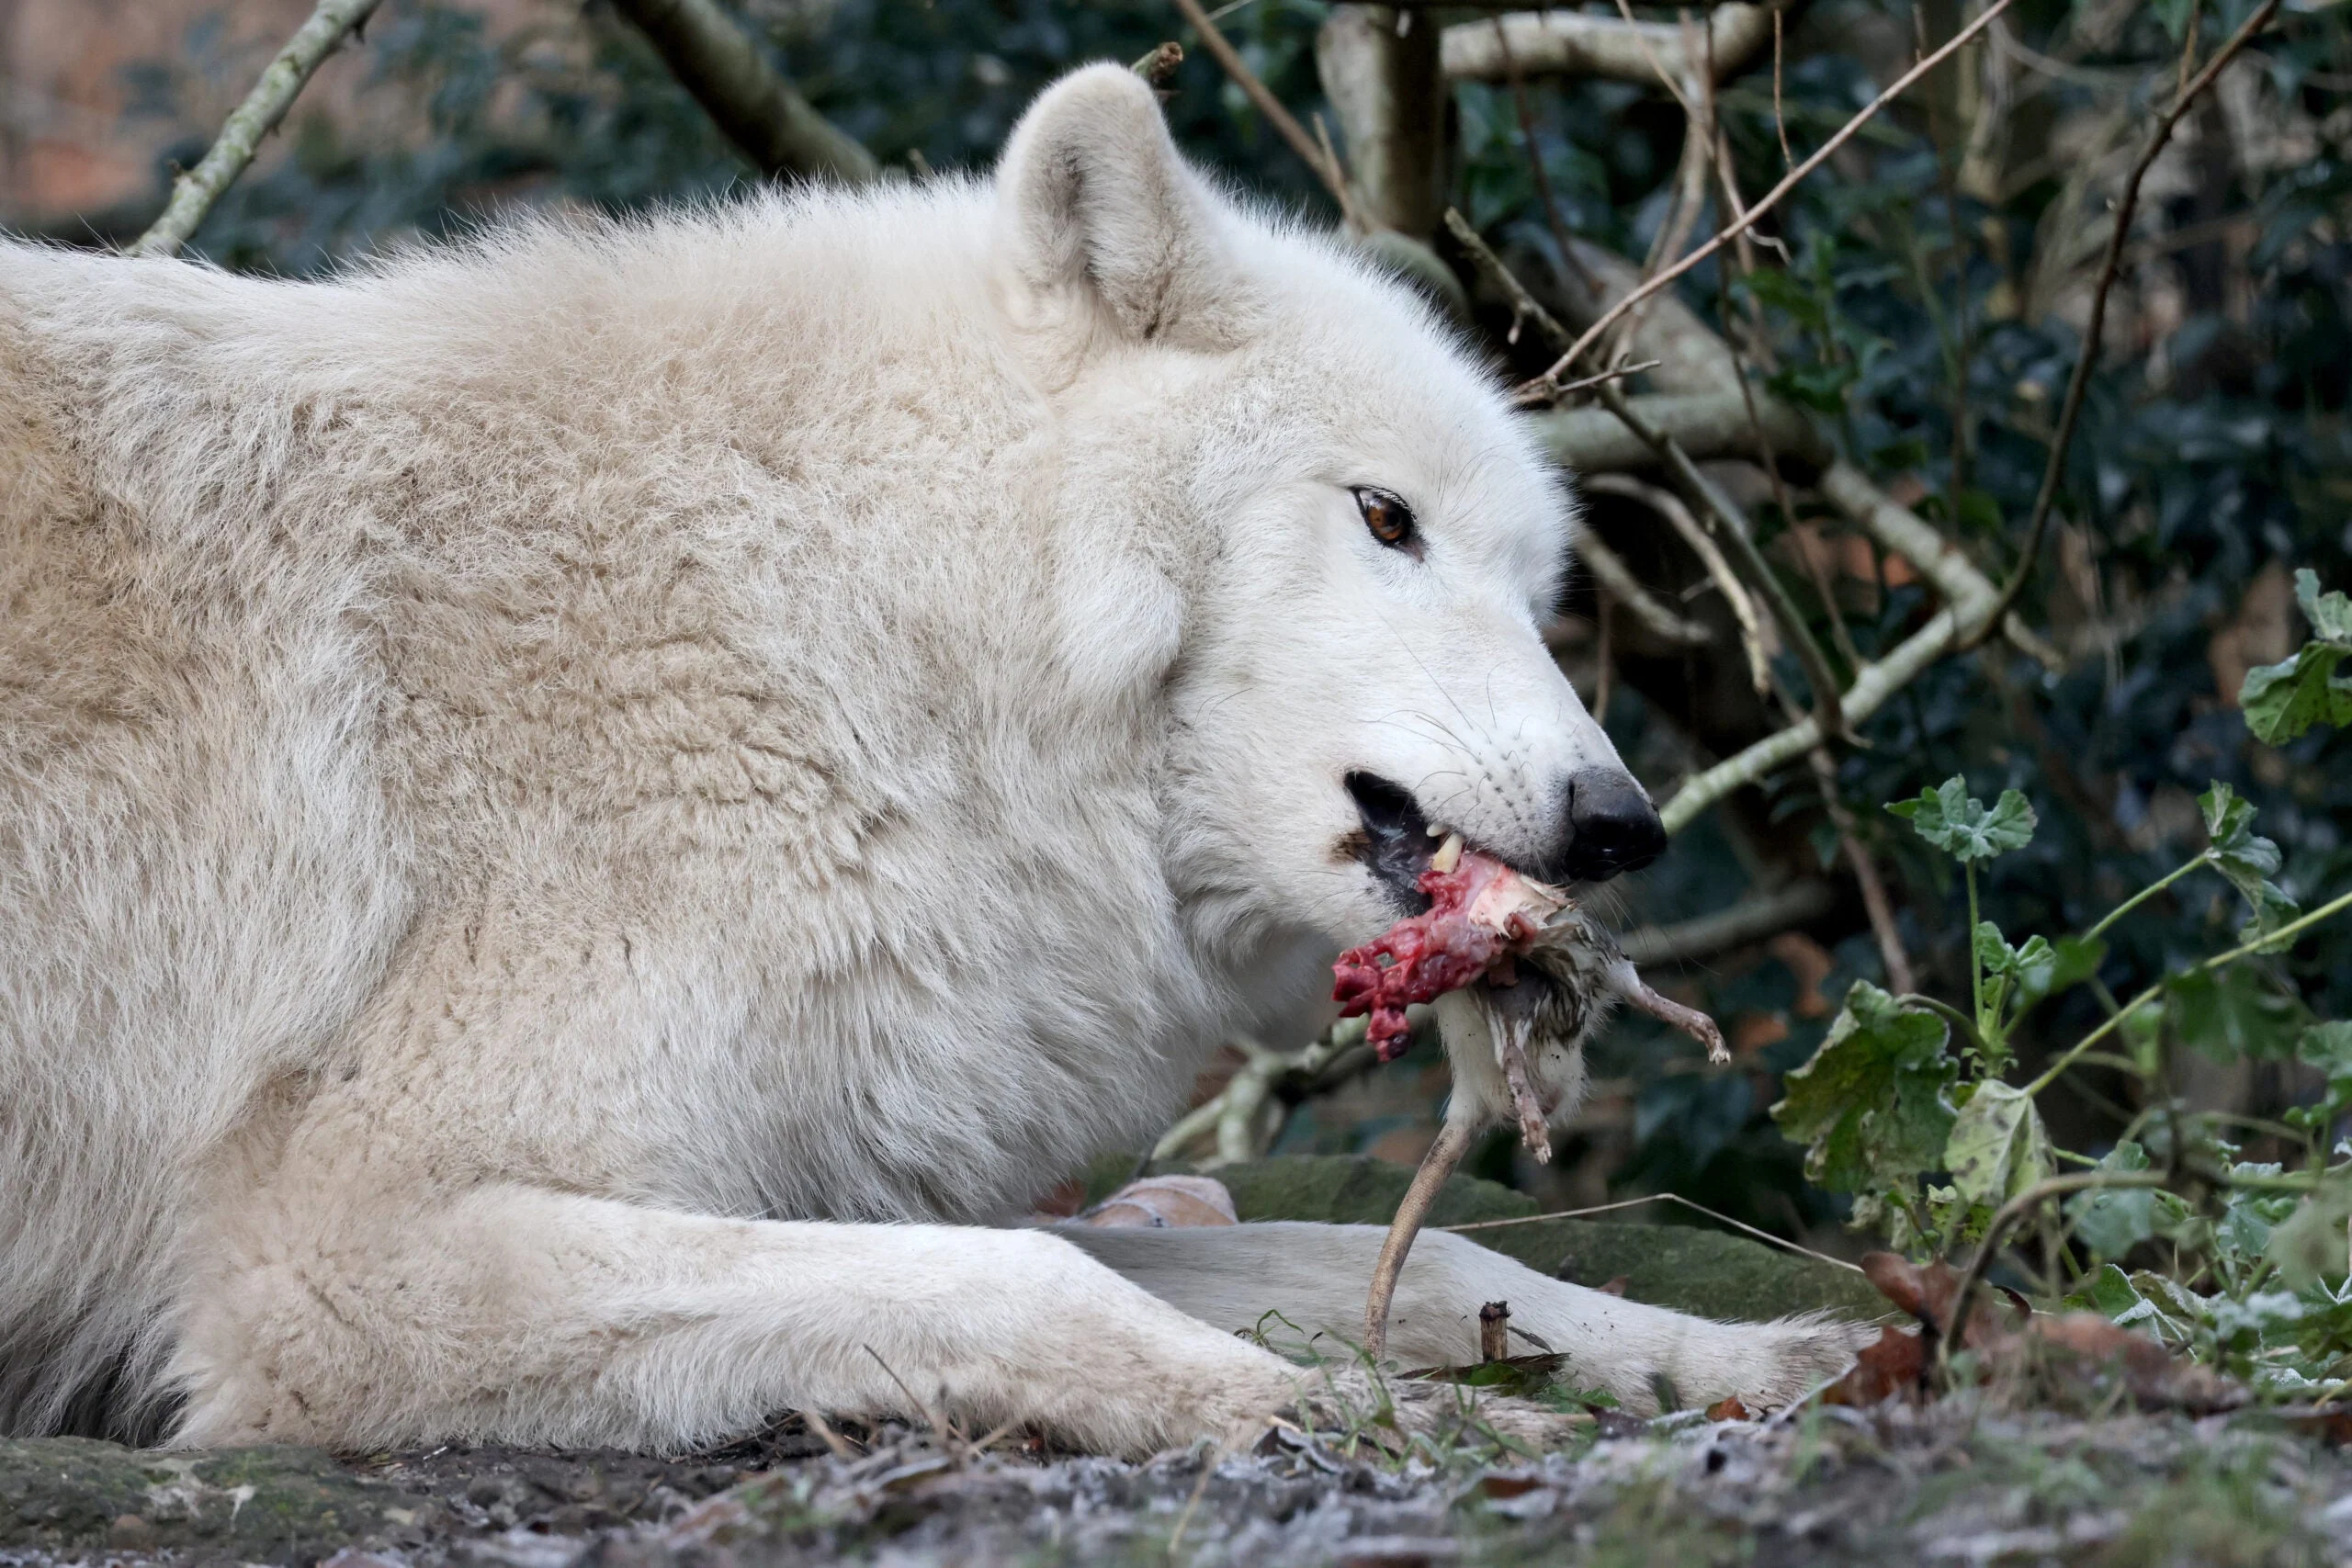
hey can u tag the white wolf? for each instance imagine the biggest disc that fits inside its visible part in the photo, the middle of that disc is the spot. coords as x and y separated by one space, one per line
579 812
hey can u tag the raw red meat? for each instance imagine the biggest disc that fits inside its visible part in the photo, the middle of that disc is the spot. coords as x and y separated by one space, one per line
1481 914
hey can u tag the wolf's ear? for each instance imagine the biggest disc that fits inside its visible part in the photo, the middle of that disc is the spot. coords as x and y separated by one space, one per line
1098 216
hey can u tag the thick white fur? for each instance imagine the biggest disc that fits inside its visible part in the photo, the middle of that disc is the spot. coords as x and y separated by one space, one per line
569 805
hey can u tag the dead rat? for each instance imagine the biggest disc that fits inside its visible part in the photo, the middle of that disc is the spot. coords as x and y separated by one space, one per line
1522 977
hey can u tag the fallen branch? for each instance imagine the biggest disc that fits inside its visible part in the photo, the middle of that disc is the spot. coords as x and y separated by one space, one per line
2088 358
195 190
763 114
1566 43
1773 197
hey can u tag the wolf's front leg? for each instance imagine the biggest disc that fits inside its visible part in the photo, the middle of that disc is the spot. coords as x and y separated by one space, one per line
518 1315
1315 1277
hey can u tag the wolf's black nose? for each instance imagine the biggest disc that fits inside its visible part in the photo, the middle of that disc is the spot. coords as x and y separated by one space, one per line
1612 828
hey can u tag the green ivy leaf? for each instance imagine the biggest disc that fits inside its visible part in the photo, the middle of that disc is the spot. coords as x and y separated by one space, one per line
2283 700
1957 823
2328 1047
2316 1241
1998 1147
2234 1014
2112 1221
2247 859
2072 959
2110 1293
2032 967
1872 1107
2247 1218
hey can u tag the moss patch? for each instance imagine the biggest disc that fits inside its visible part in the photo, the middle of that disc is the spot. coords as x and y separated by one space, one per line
254 1505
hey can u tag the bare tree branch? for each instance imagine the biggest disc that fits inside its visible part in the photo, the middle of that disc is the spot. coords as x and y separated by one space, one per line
195 191
1874 683
1390 100
1568 43
1749 920
1730 526
1286 124
1876 904
1612 577
1667 504
1773 197
1705 424
2088 358
760 111
1940 561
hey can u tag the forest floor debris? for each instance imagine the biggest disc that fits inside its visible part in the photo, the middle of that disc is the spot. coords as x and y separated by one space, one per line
1962 1481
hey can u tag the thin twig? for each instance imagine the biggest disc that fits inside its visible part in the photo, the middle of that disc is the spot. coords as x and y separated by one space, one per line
825 1432
2010 1213
195 191
1286 124
2088 358
1772 198
1542 176
1875 903
1782 1242
1872 684
1619 374
948 1436
1532 309
1617 584
1780 121
1702 492
1737 598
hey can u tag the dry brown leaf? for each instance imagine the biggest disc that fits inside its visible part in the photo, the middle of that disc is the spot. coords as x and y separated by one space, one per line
1896 1362
2018 1344
1728 1408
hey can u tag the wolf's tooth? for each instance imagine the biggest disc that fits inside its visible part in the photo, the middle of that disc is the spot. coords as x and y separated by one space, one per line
1434 832
1449 853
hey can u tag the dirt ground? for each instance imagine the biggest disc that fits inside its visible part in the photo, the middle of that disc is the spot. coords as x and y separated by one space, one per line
1958 1482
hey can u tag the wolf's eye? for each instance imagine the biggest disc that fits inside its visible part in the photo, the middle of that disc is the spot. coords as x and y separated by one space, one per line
1390 520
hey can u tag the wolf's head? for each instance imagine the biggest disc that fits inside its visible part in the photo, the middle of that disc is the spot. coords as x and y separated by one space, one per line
1307 522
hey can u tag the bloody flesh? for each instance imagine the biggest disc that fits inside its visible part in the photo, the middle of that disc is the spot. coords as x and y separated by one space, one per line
1480 914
